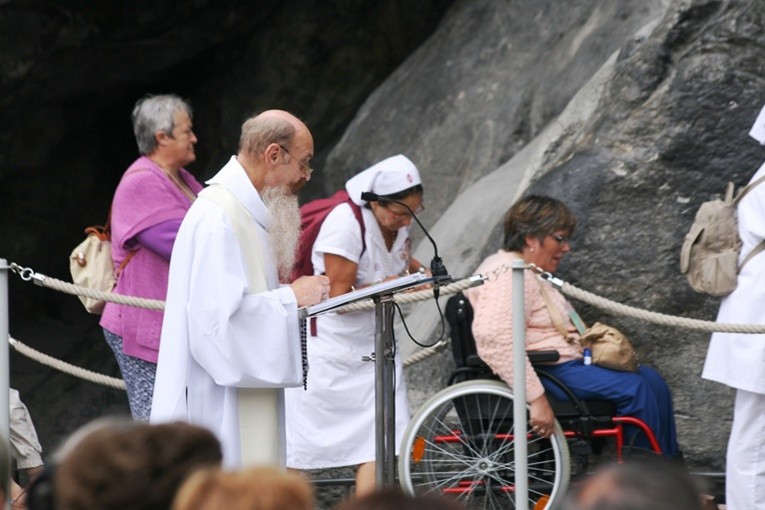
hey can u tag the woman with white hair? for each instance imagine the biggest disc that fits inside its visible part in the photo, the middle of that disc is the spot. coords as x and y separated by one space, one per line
331 423
150 201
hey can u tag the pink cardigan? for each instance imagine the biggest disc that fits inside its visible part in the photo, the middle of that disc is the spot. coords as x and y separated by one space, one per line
493 322
144 198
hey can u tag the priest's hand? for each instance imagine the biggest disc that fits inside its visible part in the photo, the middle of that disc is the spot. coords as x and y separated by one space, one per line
310 290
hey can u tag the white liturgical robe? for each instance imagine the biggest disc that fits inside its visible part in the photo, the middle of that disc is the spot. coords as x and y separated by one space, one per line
217 334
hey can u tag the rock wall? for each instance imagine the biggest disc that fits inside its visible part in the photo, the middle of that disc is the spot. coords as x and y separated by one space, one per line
660 128
669 132
488 81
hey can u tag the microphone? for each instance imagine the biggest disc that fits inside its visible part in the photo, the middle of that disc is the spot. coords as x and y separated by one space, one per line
436 266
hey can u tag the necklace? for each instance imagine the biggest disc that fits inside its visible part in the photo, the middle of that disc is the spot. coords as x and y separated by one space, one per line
179 183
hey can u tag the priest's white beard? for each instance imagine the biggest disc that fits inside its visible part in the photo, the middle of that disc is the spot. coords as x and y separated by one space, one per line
284 232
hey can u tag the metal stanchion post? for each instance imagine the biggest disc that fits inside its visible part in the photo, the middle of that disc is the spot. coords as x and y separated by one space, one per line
385 409
385 365
5 405
519 388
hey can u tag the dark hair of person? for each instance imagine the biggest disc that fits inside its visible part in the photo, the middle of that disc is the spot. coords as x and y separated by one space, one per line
637 484
386 200
396 499
536 216
132 467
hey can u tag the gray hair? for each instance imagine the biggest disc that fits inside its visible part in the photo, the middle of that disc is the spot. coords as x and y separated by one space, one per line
153 114
261 130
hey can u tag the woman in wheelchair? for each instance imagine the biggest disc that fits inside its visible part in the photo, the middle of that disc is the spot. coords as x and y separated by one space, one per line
537 230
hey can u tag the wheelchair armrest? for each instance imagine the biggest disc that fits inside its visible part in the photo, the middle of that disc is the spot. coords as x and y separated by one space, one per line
543 356
470 373
475 361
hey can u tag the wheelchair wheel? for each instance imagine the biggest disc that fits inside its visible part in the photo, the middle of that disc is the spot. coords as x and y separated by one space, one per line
460 443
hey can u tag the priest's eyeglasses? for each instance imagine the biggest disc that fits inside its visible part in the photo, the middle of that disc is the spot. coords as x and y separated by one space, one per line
306 169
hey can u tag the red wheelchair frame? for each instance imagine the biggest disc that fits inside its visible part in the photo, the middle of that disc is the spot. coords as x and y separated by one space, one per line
460 442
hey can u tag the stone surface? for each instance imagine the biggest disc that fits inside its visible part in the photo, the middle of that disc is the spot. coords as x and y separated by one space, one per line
635 153
670 131
484 85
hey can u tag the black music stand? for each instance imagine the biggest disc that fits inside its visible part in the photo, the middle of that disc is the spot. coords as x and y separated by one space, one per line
385 369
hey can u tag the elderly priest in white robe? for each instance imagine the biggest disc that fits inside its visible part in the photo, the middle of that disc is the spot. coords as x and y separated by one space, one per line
230 337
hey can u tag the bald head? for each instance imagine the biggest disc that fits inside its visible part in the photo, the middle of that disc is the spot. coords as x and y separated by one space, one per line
273 148
271 126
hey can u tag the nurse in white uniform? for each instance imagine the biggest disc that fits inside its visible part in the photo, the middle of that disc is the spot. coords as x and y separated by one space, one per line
332 423
738 360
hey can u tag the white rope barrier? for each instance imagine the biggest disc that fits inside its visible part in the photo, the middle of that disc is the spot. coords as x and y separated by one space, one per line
412 297
76 290
155 304
425 353
659 318
646 315
42 280
65 367
28 274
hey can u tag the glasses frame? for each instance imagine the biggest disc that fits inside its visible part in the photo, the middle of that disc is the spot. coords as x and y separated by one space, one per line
386 203
561 239
307 170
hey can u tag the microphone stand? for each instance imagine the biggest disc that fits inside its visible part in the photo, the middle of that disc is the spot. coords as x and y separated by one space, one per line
385 371
437 268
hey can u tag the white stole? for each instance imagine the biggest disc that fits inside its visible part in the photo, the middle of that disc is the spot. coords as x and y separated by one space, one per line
262 438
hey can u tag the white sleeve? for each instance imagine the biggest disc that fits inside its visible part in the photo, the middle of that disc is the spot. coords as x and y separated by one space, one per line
340 234
752 211
241 340
25 446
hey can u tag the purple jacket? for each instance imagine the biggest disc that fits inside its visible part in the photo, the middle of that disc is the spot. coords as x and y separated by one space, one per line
145 197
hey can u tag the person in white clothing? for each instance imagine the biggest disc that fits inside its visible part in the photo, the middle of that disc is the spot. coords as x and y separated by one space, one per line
738 360
230 338
331 423
25 446
25 450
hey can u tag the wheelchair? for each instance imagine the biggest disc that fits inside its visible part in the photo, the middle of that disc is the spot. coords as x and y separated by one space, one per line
460 442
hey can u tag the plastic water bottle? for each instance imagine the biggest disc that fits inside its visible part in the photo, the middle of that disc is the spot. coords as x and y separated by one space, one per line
587 356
